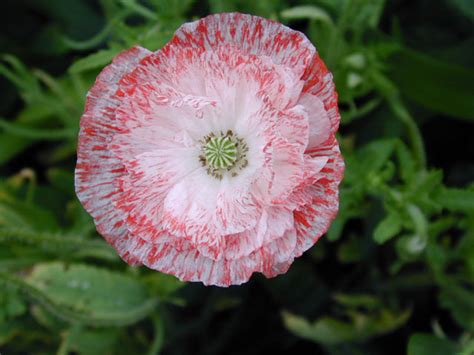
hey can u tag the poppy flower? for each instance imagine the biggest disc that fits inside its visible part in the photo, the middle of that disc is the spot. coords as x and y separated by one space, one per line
214 157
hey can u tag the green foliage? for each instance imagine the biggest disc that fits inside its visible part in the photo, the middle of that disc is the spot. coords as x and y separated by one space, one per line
395 272
373 320
99 296
442 87
427 344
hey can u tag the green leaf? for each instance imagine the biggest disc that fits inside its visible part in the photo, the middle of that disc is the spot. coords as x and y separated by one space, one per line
8 330
139 9
331 331
89 290
60 244
460 302
85 294
86 341
16 213
465 7
428 344
389 227
350 250
36 133
410 247
368 302
374 155
406 161
11 304
456 199
442 87
62 179
12 145
360 15
307 12
93 61
163 285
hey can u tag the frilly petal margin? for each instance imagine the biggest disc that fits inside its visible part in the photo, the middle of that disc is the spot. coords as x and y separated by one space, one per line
314 200
252 34
97 170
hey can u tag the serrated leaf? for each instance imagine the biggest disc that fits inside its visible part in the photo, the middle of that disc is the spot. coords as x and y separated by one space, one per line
387 228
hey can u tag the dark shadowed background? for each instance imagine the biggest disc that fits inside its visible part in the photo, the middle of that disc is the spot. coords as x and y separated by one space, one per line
394 274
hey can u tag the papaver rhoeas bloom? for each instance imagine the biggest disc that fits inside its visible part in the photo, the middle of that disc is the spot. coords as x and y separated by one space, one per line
214 157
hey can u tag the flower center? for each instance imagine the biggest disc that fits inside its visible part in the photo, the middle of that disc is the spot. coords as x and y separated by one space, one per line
223 154
220 152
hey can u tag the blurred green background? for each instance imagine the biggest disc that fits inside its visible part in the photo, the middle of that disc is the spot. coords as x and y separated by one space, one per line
395 273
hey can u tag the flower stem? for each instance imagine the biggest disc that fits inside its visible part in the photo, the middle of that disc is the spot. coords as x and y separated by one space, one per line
390 92
416 140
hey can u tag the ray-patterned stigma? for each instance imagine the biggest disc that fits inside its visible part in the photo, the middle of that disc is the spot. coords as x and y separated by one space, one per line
220 152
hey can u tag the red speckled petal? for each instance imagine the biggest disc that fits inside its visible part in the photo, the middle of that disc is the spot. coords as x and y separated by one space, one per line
264 37
181 259
318 120
97 169
318 82
313 219
251 34
139 171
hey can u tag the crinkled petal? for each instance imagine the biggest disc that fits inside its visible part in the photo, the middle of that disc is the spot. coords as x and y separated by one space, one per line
139 172
313 219
318 120
97 168
318 82
251 34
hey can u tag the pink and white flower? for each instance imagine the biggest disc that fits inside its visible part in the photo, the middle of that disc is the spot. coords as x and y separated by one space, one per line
214 157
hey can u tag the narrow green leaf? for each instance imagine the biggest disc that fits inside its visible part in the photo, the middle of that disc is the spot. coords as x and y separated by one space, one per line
58 243
374 155
456 199
442 87
389 227
331 331
307 12
93 61
36 133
